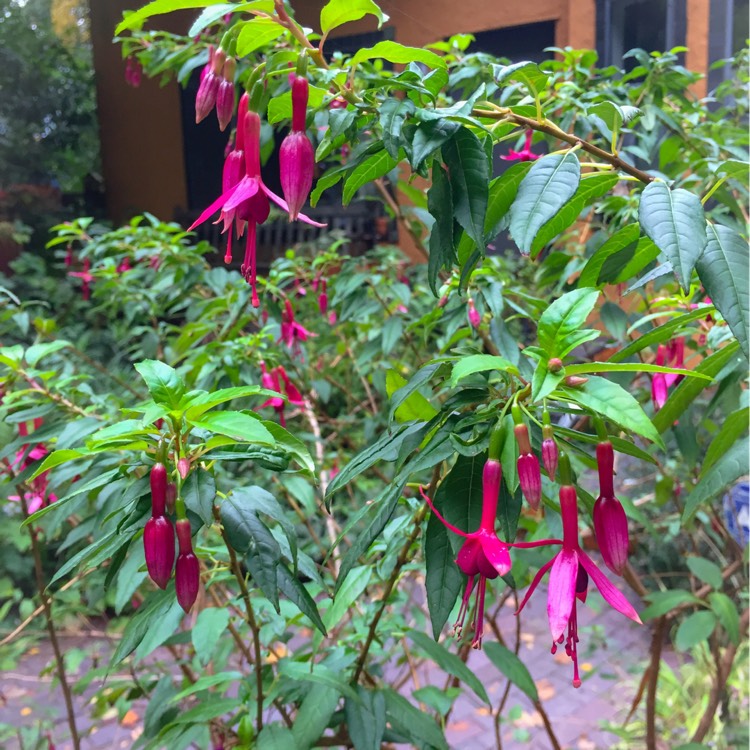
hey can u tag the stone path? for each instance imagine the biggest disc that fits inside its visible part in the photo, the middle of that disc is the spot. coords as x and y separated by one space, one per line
611 650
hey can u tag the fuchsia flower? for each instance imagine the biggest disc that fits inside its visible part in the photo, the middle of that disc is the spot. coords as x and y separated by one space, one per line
273 382
86 277
187 573
323 297
525 154
37 497
244 198
529 473
483 555
205 99
133 71
610 521
296 155
568 581
225 95
550 452
475 318
669 355
291 331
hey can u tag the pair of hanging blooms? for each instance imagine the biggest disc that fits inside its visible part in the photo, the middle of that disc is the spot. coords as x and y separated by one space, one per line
484 556
244 200
159 537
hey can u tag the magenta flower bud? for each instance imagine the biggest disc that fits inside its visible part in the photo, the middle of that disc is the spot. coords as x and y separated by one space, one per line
611 528
550 453
187 572
300 91
171 496
323 303
474 317
296 165
205 99
158 546
530 478
183 467
158 479
224 103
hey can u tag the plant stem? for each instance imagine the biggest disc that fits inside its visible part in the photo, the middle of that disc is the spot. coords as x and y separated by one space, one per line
657 640
39 571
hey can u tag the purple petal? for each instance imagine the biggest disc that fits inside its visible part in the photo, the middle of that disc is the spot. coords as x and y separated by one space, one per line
279 201
213 208
614 597
495 552
246 188
562 591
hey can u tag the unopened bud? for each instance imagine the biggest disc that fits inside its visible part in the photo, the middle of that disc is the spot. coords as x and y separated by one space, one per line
187 570
575 381
183 466
171 496
474 317
530 479
555 365
158 546
158 480
611 528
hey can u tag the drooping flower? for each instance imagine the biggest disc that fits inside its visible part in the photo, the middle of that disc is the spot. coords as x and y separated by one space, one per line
550 452
133 71
292 332
296 155
568 581
610 521
525 154
483 555
669 355
158 547
86 278
187 570
273 380
529 473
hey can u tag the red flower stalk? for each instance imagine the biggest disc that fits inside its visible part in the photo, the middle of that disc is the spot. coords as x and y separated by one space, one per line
475 318
296 155
529 473
610 521
187 571
483 555
525 154
568 579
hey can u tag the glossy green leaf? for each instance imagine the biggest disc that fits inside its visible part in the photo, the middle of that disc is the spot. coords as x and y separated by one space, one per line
443 579
215 13
409 720
314 715
675 221
256 34
164 384
561 323
726 470
527 73
370 169
208 628
56 458
733 427
614 402
365 719
198 492
294 590
398 53
468 172
414 406
724 269
478 363
429 137
337 12
550 183
449 662
236 425
512 667
440 206
135 19
393 114
726 611
401 393
694 629
622 241
276 737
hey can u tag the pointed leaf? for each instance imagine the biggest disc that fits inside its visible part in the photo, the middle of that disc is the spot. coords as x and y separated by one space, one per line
563 319
440 206
164 384
512 667
443 579
257 33
694 629
365 719
337 12
398 53
375 166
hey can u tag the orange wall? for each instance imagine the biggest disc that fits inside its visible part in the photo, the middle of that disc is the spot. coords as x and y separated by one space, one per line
140 129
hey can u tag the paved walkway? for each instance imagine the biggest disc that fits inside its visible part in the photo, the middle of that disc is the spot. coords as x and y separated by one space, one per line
611 650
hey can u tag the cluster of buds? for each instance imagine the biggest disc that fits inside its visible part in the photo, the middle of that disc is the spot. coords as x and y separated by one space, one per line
133 71
216 89
273 380
529 473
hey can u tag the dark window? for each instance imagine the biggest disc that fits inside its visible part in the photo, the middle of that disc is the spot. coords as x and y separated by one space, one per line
525 42
728 29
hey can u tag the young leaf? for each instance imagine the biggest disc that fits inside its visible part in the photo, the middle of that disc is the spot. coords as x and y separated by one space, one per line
694 629
337 12
527 73
398 53
478 363
135 19
675 221
257 33
726 611
550 183
236 425
164 384
560 324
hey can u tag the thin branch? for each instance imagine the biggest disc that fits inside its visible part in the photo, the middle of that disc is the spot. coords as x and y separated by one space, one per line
657 641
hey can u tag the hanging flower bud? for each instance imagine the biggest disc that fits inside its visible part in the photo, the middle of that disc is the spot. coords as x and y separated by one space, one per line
205 99
549 447
158 480
225 95
171 496
183 467
158 546
474 317
187 571
297 156
529 473
323 298
610 521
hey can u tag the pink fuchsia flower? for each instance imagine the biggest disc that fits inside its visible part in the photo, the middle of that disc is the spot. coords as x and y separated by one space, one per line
550 452
483 555
529 473
187 574
292 332
525 154
610 521
475 319
86 278
278 380
296 155
566 582
124 265
668 355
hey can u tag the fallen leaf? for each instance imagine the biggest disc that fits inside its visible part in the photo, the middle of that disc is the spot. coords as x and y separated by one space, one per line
528 719
130 718
545 689
586 666
25 711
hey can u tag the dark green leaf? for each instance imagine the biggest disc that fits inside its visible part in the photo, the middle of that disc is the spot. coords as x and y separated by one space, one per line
370 169
512 667
440 205
694 629
393 113
443 579
294 590
429 137
365 719
734 426
663 602
409 720
620 242
198 492
527 73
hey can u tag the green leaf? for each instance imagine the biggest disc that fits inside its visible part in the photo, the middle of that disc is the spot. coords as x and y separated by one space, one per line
459 496
443 579
135 19
663 602
329 178
588 367
709 572
198 492
346 594
613 115
36 352
449 663
527 73
398 53
393 113
734 168
468 172
164 384
429 137
205 682
401 394
236 425
622 241
560 324
294 590
338 12
365 719
727 469
257 33
694 629
614 402
662 333
370 169
734 426
674 220
588 191
317 674
196 403
313 716
512 667
724 270
292 444
55 459
440 206
690 388
208 628
726 611
478 363
550 183
409 720
276 737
